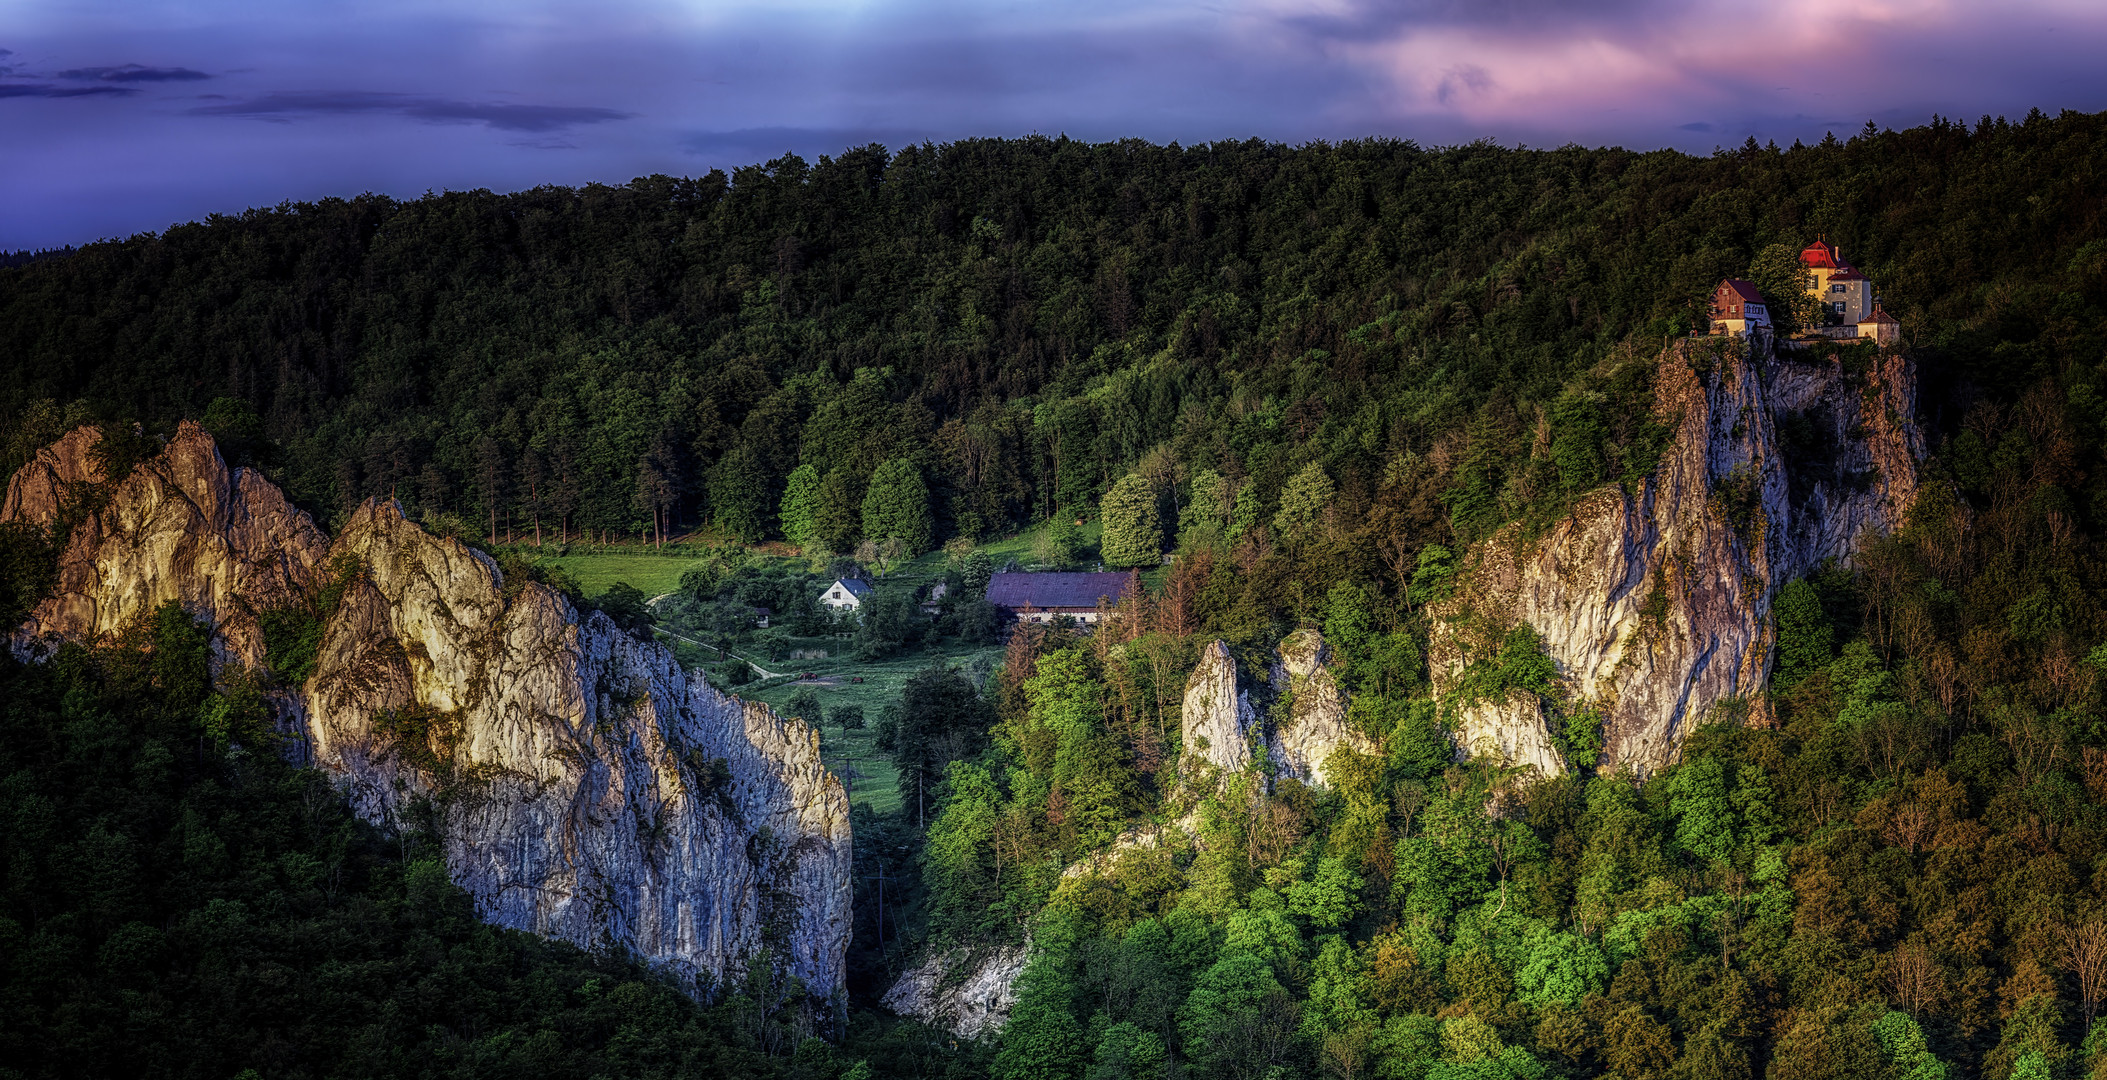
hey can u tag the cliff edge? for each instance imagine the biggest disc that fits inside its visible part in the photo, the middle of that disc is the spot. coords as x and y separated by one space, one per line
583 786
1655 604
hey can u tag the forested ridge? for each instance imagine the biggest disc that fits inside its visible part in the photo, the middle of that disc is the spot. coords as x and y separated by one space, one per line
1021 319
1313 375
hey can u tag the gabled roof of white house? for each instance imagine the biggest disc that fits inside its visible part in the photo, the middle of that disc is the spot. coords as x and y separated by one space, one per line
1745 290
856 587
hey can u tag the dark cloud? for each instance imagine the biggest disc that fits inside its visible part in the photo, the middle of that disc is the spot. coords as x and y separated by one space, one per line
504 117
45 90
130 73
1696 126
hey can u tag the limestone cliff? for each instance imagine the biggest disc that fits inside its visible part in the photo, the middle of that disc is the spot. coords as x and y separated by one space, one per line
1218 716
1655 604
1313 725
585 788
1298 714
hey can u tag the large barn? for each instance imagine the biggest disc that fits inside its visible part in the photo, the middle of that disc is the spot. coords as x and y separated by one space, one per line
1042 598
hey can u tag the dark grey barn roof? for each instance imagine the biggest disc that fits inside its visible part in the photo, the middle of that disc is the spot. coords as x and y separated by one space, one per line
1016 591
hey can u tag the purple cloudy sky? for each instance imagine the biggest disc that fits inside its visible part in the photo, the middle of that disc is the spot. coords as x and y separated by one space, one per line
120 116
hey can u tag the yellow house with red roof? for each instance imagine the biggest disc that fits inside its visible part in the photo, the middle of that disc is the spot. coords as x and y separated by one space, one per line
1845 295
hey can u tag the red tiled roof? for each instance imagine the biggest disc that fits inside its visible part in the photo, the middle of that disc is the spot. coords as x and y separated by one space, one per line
1014 590
1878 316
1820 254
1745 290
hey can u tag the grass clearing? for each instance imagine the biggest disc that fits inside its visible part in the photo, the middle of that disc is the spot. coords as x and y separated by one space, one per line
595 571
872 776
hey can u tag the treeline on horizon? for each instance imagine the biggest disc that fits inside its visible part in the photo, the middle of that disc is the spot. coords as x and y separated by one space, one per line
1020 321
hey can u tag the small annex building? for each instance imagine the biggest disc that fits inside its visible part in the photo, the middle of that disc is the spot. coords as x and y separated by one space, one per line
1880 327
1737 307
845 596
1044 597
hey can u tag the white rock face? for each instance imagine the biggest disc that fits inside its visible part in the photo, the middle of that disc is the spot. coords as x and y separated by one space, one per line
967 994
1656 606
1315 726
588 790
1221 722
1510 730
1218 716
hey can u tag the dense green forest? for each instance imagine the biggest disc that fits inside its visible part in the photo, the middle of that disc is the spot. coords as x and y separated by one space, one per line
179 902
1021 321
1314 374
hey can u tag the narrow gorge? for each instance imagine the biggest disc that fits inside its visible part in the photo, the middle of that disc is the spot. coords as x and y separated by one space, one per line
582 784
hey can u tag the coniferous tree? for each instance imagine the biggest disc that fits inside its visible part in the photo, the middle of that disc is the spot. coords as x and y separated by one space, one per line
491 475
978 570
739 497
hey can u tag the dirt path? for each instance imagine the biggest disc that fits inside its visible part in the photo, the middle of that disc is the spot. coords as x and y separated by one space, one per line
758 669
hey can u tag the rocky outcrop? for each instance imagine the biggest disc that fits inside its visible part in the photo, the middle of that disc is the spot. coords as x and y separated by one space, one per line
585 788
966 993
1218 717
1313 726
1298 714
181 527
1655 604
1509 729
593 790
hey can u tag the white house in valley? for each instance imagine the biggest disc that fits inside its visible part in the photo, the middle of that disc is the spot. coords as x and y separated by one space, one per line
845 596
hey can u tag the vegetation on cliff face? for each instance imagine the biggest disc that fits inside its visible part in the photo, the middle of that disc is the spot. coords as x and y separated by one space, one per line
1331 369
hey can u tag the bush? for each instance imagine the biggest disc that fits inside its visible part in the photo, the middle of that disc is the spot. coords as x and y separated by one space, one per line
975 621
625 604
890 620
